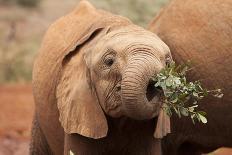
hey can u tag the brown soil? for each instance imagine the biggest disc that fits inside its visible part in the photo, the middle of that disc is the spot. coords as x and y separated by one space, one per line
16 114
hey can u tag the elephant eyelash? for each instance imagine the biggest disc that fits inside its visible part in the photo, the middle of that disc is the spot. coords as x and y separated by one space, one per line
108 58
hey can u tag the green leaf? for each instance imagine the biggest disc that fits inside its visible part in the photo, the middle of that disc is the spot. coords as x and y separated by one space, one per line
195 102
163 86
183 71
195 94
191 109
169 81
202 118
167 109
157 84
218 95
184 111
177 110
202 113
163 77
174 100
193 116
71 153
177 81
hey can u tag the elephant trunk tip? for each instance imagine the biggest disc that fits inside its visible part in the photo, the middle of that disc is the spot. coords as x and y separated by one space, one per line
152 91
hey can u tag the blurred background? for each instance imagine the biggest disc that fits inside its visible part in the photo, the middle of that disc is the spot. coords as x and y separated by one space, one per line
22 26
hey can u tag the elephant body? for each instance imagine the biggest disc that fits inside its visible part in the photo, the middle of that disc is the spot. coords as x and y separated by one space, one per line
200 31
90 85
126 137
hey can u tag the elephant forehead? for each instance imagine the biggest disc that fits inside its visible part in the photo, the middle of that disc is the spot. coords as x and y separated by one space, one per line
120 41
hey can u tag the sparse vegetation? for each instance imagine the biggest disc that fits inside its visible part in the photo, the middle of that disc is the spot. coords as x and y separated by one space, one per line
21 29
24 3
16 65
139 11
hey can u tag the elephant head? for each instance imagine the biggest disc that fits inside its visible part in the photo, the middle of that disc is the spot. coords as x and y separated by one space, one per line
104 64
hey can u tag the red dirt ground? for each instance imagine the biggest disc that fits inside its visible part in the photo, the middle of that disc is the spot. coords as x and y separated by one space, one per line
16 112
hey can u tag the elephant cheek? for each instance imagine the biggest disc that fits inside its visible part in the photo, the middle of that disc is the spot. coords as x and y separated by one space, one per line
109 98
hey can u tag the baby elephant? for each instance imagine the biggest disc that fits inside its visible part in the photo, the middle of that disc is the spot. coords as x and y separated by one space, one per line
92 87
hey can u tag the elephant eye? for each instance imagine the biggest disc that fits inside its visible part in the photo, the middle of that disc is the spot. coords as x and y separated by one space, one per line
109 60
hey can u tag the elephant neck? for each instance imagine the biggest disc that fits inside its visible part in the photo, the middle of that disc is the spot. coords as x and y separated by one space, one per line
128 127
125 134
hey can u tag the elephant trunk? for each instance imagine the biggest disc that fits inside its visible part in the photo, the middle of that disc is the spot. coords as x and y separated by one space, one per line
139 96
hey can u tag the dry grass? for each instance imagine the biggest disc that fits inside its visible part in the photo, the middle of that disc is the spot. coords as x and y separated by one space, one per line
21 29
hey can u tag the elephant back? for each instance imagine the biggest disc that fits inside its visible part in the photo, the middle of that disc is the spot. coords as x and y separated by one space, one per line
201 31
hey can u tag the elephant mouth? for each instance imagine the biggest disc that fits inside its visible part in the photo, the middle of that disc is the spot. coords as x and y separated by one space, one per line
153 94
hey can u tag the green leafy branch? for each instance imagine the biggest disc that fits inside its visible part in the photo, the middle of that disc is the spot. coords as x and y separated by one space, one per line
180 95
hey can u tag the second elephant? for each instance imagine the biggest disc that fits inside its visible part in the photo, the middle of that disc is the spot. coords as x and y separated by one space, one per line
200 31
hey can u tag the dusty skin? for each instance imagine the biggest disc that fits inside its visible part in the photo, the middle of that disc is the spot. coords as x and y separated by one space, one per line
200 31
90 82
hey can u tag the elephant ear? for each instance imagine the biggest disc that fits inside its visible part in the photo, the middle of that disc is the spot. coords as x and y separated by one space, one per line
162 125
77 103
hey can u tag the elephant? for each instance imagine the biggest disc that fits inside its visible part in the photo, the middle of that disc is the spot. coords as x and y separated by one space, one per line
92 87
200 31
